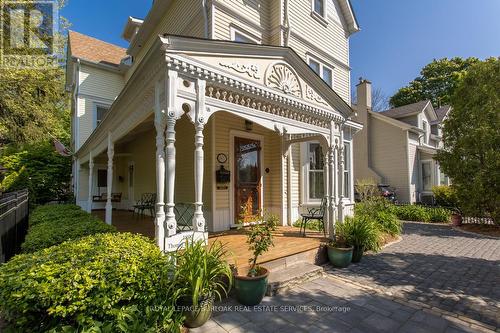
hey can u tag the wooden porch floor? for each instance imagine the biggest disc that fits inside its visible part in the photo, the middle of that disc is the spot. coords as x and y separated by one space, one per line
287 240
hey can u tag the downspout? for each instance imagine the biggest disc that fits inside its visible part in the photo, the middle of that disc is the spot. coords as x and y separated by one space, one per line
205 17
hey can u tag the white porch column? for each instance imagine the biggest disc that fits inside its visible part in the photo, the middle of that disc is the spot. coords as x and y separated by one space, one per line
341 174
331 182
109 206
160 123
326 181
171 92
91 171
199 124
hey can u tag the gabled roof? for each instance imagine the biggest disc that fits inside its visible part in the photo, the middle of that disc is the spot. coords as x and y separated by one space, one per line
94 50
442 112
406 110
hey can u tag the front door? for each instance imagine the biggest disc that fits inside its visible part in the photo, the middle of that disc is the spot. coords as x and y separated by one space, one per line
247 179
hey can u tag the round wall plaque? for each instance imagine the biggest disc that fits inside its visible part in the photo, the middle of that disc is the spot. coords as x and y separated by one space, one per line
222 158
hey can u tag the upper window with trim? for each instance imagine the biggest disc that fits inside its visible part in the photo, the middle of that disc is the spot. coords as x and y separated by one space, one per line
243 37
100 113
319 7
322 70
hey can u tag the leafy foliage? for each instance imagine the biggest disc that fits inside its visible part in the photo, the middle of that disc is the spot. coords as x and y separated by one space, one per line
437 82
445 196
55 225
113 282
40 169
311 225
388 222
380 211
200 271
471 157
366 188
260 239
48 213
360 231
421 213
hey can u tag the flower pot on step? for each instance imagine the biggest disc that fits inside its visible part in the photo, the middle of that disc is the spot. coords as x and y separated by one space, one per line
340 256
250 290
357 254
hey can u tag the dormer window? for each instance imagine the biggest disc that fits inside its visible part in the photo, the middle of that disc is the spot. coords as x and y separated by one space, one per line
319 7
324 71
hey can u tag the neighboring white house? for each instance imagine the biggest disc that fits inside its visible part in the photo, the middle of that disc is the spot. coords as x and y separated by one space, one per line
397 146
256 88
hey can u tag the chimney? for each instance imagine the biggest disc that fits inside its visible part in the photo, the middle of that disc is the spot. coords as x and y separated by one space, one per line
364 94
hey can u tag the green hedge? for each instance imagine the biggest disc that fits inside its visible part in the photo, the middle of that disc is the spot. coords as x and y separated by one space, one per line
54 224
48 213
115 282
421 213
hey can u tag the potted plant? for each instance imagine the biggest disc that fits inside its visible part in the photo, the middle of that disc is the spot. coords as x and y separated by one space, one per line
362 234
251 287
201 275
456 218
339 251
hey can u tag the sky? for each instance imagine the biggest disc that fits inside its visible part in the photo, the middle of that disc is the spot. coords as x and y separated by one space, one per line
397 37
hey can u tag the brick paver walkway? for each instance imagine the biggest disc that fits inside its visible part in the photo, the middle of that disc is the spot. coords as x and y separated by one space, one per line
413 284
440 267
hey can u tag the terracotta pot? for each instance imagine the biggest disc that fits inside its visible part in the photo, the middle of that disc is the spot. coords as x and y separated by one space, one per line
250 290
456 219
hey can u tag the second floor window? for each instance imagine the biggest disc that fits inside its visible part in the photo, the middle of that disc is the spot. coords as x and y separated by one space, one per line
100 113
425 128
322 70
347 170
319 7
240 36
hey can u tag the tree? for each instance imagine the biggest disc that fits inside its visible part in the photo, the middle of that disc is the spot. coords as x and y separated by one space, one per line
380 101
437 82
471 136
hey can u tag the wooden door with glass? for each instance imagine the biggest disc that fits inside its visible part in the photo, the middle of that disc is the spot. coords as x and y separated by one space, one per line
247 179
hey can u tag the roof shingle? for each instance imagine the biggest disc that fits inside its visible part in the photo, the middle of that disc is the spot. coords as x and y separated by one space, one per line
442 112
405 110
95 50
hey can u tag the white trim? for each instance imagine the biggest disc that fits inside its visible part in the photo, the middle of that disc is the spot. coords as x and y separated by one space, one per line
304 186
245 33
213 183
246 135
322 65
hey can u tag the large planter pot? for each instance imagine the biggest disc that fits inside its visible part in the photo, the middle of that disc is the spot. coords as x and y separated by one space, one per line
251 290
195 316
340 256
456 219
357 253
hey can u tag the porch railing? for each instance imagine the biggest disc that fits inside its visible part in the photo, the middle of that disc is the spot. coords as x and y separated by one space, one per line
14 214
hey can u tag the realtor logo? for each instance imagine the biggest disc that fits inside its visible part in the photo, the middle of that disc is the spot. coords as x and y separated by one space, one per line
28 33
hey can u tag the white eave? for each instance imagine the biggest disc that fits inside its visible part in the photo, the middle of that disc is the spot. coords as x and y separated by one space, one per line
350 17
131 28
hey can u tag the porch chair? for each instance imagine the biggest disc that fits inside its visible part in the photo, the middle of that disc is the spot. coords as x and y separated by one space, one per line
146 202
315 213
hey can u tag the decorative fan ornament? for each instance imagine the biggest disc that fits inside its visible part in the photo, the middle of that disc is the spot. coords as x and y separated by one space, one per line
281 77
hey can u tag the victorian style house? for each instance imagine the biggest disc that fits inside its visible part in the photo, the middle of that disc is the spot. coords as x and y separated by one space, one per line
228 107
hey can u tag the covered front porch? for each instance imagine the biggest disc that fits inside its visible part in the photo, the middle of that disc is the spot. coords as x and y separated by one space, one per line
288 241
218 134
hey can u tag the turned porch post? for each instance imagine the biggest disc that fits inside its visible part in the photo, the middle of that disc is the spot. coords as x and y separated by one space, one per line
331 182
326 181
171 92
199 123
109 205
91 171
341 174
160 124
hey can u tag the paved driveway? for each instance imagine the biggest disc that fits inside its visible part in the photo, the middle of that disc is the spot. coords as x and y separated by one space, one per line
411 286
439 267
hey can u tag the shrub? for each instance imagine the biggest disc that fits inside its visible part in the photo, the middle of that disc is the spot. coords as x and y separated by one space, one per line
366 188
115 282
55 224
440 215
49 213
388 222
360 231
311 225
373 205
445 196
412 213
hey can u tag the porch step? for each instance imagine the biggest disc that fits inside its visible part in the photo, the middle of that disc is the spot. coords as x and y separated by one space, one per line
282 279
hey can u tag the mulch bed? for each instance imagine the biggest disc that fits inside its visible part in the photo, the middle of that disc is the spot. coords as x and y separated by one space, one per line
483 229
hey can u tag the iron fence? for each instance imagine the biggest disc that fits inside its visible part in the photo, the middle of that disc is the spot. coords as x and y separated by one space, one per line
14 214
